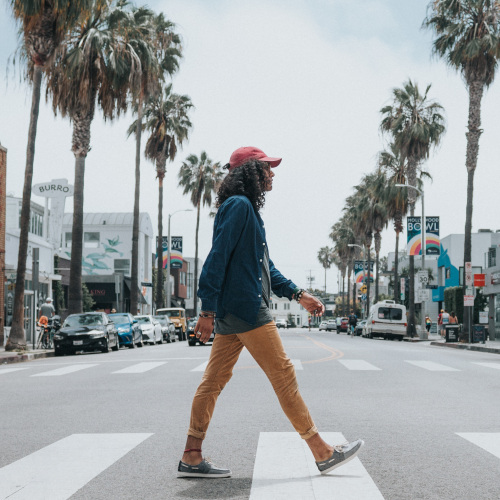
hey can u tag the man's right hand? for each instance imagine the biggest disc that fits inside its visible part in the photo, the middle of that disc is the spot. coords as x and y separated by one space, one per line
203 329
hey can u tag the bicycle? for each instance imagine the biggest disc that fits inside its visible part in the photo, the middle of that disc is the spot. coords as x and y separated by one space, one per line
45 338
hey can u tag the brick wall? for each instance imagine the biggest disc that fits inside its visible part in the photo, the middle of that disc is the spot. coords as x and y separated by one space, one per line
3 187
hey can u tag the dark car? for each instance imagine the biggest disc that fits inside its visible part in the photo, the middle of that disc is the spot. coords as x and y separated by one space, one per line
167 328
129 332
359 328
87 332
192 340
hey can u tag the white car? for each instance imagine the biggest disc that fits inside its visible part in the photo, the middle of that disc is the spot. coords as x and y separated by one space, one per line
386 319
151 329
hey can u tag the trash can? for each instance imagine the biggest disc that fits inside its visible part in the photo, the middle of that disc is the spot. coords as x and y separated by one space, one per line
452 332
478 334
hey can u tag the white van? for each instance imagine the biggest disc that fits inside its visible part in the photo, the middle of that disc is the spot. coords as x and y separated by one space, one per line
386 319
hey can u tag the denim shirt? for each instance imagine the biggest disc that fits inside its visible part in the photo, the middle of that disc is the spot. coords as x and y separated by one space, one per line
231 279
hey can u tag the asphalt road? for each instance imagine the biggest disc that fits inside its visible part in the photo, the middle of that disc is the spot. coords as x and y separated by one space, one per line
430 418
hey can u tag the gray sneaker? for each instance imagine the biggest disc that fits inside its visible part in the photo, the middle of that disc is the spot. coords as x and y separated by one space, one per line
204 469
342 454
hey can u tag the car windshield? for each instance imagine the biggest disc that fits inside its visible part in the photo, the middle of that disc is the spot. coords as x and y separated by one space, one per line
83 320
144 319
170 314
119 318
390 313
162 320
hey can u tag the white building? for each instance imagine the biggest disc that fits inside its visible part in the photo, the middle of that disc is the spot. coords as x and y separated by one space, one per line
282 308
190 284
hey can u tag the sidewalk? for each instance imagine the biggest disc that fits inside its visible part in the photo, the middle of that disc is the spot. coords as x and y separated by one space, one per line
430 338
491 346
15 357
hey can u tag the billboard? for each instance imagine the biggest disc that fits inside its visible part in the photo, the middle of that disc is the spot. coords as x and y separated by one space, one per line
432 241
358 270
414 238
175 252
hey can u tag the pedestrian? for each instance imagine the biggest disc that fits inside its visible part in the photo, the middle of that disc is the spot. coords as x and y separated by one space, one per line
353 321
445 320
113 311
453 318
440 322
309 319
47 309
235 288
428 323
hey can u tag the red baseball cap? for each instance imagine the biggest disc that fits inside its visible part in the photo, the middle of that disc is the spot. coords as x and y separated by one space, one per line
241 155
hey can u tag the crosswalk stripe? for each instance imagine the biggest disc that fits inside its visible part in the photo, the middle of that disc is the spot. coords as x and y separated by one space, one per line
297 363
63 371
72 462
433 367
358 364
488 365
200 368
8 370
489 441
140 367
297 477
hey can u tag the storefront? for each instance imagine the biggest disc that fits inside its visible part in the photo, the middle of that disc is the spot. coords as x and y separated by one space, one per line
492 290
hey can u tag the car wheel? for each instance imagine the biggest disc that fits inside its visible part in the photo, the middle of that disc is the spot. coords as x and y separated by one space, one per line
191 343
106 346
58 351
132 345
117 346
168 339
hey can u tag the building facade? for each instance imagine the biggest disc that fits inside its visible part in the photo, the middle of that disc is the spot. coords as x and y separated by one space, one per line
3 200
190 285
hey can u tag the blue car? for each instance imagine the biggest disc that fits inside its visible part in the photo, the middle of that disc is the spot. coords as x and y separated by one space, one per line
129 331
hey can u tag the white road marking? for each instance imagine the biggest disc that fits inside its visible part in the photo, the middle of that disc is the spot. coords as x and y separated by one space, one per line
488 365
8 370
297 477
433 367
489 441
63 371
140 367
200 368
357 364
297 364
72 462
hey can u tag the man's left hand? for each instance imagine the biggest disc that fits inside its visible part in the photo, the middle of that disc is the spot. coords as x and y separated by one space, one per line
312 304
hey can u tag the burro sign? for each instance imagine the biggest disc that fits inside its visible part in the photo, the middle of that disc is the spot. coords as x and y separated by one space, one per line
57 190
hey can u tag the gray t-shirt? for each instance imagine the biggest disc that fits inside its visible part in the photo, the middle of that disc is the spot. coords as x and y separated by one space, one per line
231 324
47 310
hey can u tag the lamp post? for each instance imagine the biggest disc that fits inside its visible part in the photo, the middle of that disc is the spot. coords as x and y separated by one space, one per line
423 331
364 257
169 293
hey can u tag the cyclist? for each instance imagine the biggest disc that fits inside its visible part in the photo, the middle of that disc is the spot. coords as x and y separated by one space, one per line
353 321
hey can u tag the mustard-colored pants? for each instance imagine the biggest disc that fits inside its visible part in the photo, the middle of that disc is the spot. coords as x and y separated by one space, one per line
265 345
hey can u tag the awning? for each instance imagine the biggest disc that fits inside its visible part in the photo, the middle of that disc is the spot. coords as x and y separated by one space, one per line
128 282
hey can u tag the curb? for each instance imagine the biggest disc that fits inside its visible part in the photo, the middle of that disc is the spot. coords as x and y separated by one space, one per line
491 350
20 358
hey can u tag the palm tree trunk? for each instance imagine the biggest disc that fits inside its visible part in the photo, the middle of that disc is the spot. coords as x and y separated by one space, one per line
349 291
159 251
195 290
368 273
343 292
378 239
134 278
325 280
17 338
476 90
397 293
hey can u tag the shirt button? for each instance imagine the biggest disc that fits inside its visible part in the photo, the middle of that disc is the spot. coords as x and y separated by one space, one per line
259 295
264 244
260 279
261 260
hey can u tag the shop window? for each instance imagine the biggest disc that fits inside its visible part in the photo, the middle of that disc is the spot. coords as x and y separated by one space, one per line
67 240
183 278
122 265
91 240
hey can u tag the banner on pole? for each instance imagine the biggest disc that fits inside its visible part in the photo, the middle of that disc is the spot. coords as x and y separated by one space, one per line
414 235
432 240
358 271
175 252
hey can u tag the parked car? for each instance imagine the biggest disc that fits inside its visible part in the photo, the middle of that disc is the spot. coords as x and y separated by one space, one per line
386 319
333 322
360 327
167 328
178 316
190 326
129 332
343 325
327 326
282 323
151 329
192 340
86 332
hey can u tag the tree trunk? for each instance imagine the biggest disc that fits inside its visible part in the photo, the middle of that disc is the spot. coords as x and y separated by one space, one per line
368 272
17 337
377 253
476 90
354 296
397 293
349 290
412 197
134 278
325 280
195 281
159 251
343 292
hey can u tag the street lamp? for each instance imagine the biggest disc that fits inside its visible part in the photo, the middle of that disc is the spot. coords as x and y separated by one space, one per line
364 257
423 331
169 296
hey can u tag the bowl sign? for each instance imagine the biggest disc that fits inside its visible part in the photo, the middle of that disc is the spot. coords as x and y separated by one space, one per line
53 189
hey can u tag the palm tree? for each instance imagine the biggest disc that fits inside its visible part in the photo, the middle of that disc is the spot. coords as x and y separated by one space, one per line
341 235
325 257
416 125
166 118
43 25
159 52
200 177
96 63
468 38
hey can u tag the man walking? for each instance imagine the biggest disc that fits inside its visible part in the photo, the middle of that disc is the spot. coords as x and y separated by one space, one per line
235 287
47 309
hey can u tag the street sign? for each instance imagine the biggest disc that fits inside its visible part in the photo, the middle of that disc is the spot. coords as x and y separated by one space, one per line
483 317
145 283
479 280
468 279
469 290
431 287
468 300
363 289
423 277
424 295
363 297
468 267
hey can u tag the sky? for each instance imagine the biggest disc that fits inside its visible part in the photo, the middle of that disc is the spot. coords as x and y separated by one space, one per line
301 80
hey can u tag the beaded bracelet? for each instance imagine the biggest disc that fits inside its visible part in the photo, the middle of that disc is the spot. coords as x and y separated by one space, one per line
207 314
298 295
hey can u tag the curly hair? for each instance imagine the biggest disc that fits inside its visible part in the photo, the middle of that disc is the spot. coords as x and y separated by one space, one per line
249 180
